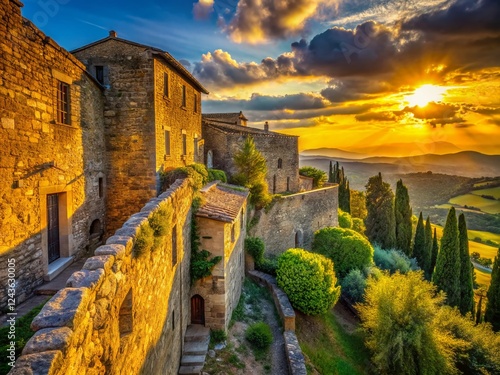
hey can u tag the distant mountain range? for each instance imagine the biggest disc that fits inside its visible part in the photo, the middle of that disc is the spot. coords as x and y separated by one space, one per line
358 170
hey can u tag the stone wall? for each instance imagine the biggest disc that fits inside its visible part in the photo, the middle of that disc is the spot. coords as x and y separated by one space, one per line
292 220
273 146
121 314
41 156
172 116
129 121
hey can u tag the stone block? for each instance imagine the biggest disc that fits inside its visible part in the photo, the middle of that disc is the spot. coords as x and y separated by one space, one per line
99 261
38 363
48 339
66 309
118 251
126 241
7 123
86 279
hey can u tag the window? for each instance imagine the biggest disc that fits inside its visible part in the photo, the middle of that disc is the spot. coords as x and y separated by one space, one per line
196 146
184 144
99 73
183 95
165 85
173 320
63 103
280 163
101 187
195 103
174 245
167 142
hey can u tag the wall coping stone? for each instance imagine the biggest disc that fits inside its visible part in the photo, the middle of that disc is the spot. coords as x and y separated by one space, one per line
86 279
38 363
296 360
48 339
112 249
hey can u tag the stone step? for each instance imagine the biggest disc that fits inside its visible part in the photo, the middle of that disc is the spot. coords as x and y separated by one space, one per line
195 332
190 370
196 347
193 360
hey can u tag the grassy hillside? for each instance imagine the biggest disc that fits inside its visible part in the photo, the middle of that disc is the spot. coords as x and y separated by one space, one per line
475 201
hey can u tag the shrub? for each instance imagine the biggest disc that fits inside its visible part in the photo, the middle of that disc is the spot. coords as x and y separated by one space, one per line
144 241
345 220
308 279
196 172
319 177
216 175
393 260
259 196
217 336
259 335
353 285
255 247
358 225
346 248
159 221
267 266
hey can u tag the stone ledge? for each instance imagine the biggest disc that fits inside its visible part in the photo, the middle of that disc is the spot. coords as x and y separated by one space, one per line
48 339
39 363
296 361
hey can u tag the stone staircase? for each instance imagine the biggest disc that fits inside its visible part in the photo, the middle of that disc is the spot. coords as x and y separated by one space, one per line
195 349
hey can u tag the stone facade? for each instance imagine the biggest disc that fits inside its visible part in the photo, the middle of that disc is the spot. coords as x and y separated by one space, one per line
223 140
222 232
122 313
293 219
46 151
147 94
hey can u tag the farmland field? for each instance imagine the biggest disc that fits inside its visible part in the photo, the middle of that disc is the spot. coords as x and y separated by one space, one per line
472 200
495 192
483 278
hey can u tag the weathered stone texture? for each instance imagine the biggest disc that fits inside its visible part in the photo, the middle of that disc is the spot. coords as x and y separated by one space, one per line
293 219
40 156
224 144
81 330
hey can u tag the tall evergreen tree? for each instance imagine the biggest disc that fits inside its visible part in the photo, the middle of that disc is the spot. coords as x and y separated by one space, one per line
447 273
337 175
403 212
492 312
434 252
428 248
466 269
380 221
479 312
419 245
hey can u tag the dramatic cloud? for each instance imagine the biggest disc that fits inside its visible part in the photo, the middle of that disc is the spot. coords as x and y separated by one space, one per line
260 21
202 9
434 111
376 116
351 89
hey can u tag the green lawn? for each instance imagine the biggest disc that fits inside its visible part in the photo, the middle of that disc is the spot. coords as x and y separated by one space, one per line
329 348
495 192
484 236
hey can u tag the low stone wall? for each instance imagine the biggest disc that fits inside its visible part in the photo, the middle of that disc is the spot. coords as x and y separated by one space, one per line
122 313
292 219
296 361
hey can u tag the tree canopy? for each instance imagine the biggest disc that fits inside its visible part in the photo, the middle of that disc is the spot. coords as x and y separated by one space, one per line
403 212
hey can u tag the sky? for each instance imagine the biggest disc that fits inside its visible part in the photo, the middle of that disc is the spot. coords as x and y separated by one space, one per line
395 77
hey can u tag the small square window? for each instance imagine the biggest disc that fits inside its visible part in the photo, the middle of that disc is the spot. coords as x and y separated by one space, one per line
63 115
99 73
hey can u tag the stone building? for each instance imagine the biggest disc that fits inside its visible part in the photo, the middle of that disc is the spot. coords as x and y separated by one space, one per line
224 134
222 225
52 152
152 119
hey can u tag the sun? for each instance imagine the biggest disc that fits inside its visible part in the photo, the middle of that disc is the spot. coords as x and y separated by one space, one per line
425 94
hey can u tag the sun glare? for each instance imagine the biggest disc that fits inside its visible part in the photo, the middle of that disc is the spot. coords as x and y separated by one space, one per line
425 94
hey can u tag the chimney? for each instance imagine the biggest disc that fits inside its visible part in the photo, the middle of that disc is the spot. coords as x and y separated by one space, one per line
113 34
266 126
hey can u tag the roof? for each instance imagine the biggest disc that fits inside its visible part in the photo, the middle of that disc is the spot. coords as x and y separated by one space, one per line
156 52
228 118
223 202
238 129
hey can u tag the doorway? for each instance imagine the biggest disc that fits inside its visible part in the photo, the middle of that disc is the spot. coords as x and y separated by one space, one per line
197 310
54 244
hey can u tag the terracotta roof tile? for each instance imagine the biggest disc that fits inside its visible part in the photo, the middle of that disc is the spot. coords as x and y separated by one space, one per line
223 202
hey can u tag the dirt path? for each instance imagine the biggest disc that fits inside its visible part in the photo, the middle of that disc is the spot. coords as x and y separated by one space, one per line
279 365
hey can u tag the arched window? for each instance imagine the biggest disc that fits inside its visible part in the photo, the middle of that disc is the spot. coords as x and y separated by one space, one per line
280 163
298 238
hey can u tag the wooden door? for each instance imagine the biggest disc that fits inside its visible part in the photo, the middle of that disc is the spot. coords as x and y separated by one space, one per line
197 310
54 245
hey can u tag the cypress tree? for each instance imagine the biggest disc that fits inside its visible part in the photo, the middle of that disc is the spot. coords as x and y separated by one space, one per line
403 212
447 273
479 312
419 244
337 175
428 248
492 312
331 176
434 253
380 221
466 284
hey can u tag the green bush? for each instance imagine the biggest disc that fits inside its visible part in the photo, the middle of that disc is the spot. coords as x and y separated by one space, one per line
346 248
259 335
393 260
259 196
268 266
217 336
144 241
308 279
255 247
358 225
319 177
196 172
354 285
216 175
159 221
345 220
